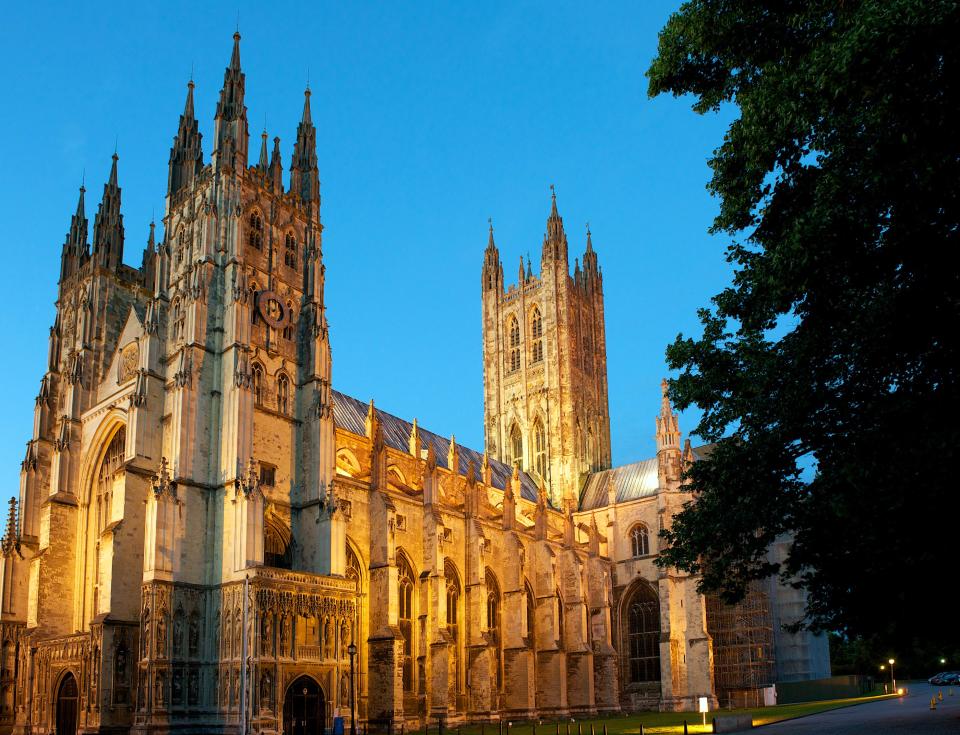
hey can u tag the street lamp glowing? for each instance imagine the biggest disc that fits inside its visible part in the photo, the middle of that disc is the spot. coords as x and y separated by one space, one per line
893 679
891 662
943 660
883 667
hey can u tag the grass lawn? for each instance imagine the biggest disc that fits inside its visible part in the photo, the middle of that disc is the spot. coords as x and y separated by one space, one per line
658 723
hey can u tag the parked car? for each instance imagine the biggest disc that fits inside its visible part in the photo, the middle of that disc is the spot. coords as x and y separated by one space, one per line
945 678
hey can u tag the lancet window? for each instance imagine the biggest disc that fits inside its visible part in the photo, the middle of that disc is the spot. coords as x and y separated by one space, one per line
283 394
493 626
516 446
406 618
290 251
536 335
540 449
453 623
513 354
255 231
257 384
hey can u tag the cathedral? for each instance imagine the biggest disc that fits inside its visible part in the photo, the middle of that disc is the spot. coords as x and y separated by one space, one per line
209 537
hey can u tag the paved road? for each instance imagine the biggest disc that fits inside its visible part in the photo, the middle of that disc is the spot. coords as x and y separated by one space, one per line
909 714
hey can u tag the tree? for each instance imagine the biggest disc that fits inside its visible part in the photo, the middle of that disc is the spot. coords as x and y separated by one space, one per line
827 371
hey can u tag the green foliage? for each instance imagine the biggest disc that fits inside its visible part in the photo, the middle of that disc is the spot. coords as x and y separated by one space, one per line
835 347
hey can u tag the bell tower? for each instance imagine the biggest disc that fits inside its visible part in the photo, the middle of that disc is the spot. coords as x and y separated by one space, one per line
545 364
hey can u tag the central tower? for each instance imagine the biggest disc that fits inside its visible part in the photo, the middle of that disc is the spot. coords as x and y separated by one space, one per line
545 365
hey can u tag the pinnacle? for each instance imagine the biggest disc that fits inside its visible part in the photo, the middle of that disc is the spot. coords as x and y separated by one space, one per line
113 171
306 107
80 206
235 56
188 106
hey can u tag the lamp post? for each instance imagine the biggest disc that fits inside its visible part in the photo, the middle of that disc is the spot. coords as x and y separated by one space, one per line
893 679
352 651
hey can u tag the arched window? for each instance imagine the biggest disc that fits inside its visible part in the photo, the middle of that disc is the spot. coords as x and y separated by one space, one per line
179 318
453 623
288 323
516 446
290 251
493 626
642 634
513 354
639 540
531 629
255 231
560 621
101 510
353 572
258 384
540 449
405 592
536 335
181 246
276 546
283 393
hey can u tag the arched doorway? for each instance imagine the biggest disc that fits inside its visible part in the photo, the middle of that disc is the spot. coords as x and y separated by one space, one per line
303 708
67 696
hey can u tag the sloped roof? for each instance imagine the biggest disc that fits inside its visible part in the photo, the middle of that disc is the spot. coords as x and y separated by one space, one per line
350 414
630 481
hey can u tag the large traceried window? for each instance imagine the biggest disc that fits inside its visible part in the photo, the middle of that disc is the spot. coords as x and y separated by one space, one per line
102 503
255 231
493 626
540 449
516 447
642 635
283 394
536 335
453 624
639 540
406 617
513 354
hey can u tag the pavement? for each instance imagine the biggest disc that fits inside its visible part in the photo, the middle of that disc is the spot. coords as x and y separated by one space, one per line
908 714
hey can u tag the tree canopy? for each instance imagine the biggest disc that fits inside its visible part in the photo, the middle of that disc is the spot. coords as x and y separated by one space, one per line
827 371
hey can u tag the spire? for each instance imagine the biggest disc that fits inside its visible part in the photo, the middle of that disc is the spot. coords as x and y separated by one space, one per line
555 239
263 165
529 268
230 122
186 154
108 224
523 271
591 271
75 250
148 268
304 174
276 167
492 276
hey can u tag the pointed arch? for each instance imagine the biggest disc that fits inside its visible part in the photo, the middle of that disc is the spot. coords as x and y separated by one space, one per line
258 378
454 624
639 540
515 446
277 547
255 230
513 336
536 335
494 602
284 403
406 602
290 251
639 615
539 448
347 463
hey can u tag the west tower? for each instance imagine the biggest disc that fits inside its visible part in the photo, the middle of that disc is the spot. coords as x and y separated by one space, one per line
545 364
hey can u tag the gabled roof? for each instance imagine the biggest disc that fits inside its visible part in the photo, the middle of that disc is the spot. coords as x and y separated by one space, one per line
350 414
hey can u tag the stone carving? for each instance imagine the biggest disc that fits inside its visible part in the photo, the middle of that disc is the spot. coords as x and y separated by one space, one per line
129 362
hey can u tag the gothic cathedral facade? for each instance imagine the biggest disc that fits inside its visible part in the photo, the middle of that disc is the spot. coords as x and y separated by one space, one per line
210 538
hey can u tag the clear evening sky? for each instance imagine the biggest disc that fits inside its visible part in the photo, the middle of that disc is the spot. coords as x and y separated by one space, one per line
431 118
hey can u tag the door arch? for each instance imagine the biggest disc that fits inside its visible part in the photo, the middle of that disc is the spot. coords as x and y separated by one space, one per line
68 695
303 708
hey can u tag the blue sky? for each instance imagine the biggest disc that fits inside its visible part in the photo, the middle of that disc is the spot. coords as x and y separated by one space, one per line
431 118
